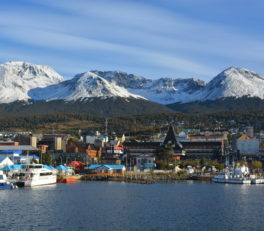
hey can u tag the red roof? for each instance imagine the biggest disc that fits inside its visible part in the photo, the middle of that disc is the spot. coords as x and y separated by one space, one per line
78 165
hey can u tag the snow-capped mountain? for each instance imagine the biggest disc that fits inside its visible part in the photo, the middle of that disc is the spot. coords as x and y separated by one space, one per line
82 86
163 90
23 81
233 82
17 78
124 79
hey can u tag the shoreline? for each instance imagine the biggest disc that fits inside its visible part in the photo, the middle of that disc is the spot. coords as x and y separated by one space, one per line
140 178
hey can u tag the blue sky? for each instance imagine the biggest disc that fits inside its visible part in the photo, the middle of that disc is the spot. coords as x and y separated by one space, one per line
152 38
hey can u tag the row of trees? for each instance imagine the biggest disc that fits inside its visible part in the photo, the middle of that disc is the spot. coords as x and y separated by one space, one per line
44 158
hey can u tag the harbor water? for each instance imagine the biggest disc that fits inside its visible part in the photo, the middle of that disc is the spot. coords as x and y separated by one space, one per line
127 206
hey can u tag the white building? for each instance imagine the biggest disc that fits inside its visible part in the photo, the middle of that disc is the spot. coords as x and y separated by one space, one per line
145 161
247 145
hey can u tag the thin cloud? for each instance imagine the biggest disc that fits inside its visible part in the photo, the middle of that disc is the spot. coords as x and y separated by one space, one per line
68 42
141 33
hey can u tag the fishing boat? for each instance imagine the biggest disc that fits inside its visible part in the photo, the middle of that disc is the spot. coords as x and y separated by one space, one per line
4 183
257 181
238 175
34 175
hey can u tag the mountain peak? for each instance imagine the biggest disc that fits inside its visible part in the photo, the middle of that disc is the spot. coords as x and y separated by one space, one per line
23 81
234 82
240 71
82 86
17 78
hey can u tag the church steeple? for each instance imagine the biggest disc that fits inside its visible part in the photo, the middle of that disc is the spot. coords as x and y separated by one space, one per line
171 139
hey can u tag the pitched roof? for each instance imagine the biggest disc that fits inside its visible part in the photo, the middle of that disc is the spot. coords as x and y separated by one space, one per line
111 166
171 139
244 137
94 166
171 136
2 158
114 166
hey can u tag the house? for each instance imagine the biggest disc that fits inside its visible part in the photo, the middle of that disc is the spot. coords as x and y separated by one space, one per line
145 162
206 149
76 165
90 150
93 152
195 146
90 137
106 169
114 148
101 140
171 139
135 148
247 145
56 141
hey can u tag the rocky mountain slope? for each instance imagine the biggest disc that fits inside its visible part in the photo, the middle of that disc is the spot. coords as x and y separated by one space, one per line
163 90
82 86
233 82
21 81
17 78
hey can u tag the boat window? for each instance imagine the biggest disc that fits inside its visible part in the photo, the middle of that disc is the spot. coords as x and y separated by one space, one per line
1 177
35 166
45 174
31 166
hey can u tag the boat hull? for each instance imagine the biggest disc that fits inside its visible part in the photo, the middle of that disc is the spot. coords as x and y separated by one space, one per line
67 180
232 180
37 182
257 181
6 186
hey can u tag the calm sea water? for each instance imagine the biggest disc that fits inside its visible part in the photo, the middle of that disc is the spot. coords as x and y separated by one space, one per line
125 206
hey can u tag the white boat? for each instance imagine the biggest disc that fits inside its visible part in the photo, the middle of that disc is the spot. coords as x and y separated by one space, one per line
4 183
239 175
223 178
34 175
257 181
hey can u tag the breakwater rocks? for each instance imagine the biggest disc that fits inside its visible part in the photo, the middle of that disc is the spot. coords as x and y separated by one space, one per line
140 178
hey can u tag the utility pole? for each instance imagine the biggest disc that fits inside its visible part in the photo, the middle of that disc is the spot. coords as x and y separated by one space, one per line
106 125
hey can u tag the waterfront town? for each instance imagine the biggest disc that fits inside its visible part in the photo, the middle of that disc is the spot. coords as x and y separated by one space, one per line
93 153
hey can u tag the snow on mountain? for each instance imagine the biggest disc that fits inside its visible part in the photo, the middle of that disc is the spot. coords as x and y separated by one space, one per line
123 79
167 90
82 86
163 90
17 78
23 81
234 82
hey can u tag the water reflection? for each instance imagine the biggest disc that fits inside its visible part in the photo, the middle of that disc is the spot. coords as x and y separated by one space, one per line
126 206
